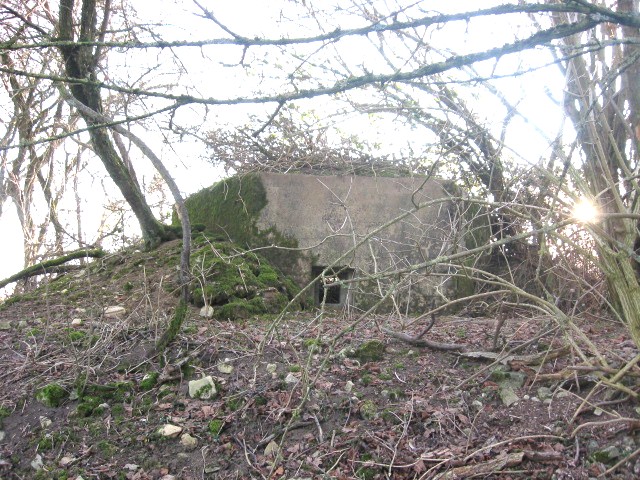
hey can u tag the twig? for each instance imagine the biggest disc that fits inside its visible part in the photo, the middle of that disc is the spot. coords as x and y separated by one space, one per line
633 424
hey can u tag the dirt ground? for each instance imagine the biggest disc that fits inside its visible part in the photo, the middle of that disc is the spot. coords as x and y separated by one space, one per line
296 399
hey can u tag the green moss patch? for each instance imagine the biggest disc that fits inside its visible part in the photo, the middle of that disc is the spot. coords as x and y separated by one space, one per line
371 351
51 395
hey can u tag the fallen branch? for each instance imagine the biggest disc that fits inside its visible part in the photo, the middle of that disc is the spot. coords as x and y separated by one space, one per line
50 266
462 350
421 342
527 359
485 468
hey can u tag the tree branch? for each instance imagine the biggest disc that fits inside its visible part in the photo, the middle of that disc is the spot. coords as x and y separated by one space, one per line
46 266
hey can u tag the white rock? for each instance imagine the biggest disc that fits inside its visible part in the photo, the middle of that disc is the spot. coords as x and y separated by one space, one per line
37 463
168 477
170 431
291 378
206 311
76 322
348 386
203 388
225 368
114 311
132 467
188 441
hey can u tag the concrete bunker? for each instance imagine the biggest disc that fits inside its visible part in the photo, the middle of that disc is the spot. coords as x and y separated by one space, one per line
364 230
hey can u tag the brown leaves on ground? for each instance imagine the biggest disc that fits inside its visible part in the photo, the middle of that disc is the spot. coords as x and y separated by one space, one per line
287 410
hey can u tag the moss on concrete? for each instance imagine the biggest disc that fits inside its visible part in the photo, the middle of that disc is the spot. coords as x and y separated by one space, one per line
229 209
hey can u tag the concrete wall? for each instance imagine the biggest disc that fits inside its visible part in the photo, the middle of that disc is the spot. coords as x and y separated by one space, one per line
330 214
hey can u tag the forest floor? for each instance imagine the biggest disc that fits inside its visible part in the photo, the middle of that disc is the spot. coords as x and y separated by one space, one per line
295 398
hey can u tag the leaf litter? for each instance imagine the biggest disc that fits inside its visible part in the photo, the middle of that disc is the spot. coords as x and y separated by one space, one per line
293 403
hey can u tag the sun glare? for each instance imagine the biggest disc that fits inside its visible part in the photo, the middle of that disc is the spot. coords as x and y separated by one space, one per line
585 211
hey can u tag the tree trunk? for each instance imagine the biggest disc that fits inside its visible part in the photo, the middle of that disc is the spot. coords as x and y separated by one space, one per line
81 62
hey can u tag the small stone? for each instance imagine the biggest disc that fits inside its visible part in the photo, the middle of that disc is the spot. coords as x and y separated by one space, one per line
132 467
170 431
271 368
348 386
76 322
66 460
188 441
44 421
203 388
526 397
225 368
508 396
544 393
291 378
114 311
206 311
37 463
168 477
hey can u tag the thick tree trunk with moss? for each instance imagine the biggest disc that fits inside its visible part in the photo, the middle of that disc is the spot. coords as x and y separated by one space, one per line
624 288
81 62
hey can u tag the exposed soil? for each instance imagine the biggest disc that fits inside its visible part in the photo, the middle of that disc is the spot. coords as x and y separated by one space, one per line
297 404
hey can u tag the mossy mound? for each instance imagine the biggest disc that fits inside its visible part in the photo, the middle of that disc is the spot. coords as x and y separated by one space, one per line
236 283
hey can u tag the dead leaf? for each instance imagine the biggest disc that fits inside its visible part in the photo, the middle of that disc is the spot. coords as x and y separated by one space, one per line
271 450
419 467
208 411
